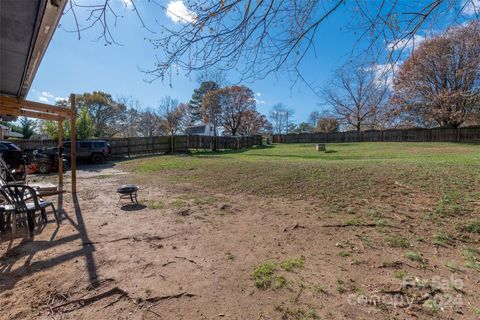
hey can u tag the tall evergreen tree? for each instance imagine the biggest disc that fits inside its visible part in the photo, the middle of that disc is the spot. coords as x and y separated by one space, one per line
195 103
85 128
27 127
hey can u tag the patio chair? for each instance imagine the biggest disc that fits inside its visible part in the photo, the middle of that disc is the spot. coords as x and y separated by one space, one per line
23 200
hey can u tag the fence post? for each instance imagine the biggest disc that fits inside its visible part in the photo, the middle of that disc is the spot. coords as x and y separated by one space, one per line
128 147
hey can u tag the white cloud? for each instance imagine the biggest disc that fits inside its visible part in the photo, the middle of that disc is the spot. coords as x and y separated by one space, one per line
127 3
179 13
471 7
258 94
258 101
405 44
45 96
384 73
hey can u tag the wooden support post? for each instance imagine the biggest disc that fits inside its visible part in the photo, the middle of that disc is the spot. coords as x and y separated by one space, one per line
60 155
73 142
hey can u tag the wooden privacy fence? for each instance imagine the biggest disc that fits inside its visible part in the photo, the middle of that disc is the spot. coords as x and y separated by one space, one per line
206 142
156 145
466 134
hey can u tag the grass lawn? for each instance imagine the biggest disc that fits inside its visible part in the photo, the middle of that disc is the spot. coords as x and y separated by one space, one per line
343 174
357 219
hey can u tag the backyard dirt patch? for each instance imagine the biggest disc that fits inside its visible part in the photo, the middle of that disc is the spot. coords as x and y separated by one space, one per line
188 252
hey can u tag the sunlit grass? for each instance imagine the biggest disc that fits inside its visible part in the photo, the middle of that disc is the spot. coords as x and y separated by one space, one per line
449 173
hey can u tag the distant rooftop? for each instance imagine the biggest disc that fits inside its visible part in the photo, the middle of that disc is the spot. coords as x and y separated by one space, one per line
195 129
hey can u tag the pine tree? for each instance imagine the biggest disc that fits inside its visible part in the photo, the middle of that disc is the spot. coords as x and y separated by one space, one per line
195 103
85 127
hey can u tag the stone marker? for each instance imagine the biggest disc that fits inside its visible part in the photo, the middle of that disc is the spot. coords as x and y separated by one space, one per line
321 147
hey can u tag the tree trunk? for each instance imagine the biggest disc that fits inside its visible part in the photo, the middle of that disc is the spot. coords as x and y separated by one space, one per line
214 146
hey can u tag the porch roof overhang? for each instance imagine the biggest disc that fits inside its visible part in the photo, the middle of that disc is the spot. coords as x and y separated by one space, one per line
26 28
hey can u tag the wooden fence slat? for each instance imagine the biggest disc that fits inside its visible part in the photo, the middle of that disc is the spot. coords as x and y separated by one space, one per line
466 134
155 145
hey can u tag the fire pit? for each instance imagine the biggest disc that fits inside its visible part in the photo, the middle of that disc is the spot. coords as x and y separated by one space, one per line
128 191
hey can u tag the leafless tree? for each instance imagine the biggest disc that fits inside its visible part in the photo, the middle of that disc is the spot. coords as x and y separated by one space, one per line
129 120
150 124
281 118
260 37
314 117
214 75
357 95
211 112
173 116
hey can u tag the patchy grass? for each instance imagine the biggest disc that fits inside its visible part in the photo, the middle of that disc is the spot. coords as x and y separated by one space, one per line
442 239
318 288
104 176
178 204
414 256
298 170
472 257
452 267
295 313
279 282
431 306
262 275
344 254
157 205
266 276
472 226
289 265
476 311
401 274
343 286
366 241
397 241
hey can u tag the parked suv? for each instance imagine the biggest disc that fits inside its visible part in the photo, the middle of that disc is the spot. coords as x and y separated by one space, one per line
95 151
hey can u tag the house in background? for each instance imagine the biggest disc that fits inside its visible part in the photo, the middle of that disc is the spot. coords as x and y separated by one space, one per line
7 132
200 130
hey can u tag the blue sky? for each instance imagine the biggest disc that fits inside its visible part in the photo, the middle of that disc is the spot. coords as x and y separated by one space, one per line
85 65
